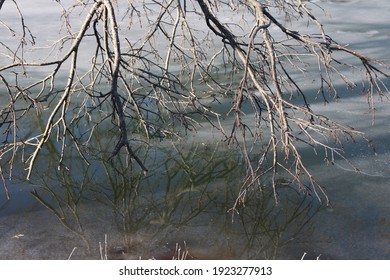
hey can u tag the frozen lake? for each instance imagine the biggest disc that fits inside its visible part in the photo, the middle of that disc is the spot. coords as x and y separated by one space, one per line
150 224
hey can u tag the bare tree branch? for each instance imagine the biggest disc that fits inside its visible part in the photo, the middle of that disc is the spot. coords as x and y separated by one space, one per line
166 81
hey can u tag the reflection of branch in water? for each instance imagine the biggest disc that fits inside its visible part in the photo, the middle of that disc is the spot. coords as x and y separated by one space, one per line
268 227
187 186
68 199
61 215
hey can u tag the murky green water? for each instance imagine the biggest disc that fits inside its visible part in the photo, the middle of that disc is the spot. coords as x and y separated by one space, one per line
187 198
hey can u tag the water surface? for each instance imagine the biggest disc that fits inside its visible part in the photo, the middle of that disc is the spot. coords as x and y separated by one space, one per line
187 197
